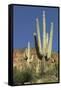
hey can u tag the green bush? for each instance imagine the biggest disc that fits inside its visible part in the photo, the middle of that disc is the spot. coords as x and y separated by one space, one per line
19 77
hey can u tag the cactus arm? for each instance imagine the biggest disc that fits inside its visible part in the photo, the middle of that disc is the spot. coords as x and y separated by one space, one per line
44 33
28 52
50 41
37 48
38 35
47 39
25 54
46 43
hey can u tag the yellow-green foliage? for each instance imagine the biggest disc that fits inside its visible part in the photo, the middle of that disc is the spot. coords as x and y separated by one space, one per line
19 77
30 75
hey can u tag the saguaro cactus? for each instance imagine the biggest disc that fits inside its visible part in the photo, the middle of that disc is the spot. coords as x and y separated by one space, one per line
28 56
44 53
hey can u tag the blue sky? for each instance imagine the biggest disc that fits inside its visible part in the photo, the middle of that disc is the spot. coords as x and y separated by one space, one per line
24 25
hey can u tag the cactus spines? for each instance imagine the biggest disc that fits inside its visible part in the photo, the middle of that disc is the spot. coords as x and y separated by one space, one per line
50 41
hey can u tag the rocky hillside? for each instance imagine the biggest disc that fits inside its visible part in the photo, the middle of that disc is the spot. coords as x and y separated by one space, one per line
19 57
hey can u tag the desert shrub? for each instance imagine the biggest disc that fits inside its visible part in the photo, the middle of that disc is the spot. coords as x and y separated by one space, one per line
56 69
52 73
19 77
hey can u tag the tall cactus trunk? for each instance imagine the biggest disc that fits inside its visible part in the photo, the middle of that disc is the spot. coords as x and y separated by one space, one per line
38 53
42 58
44 45
43 66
